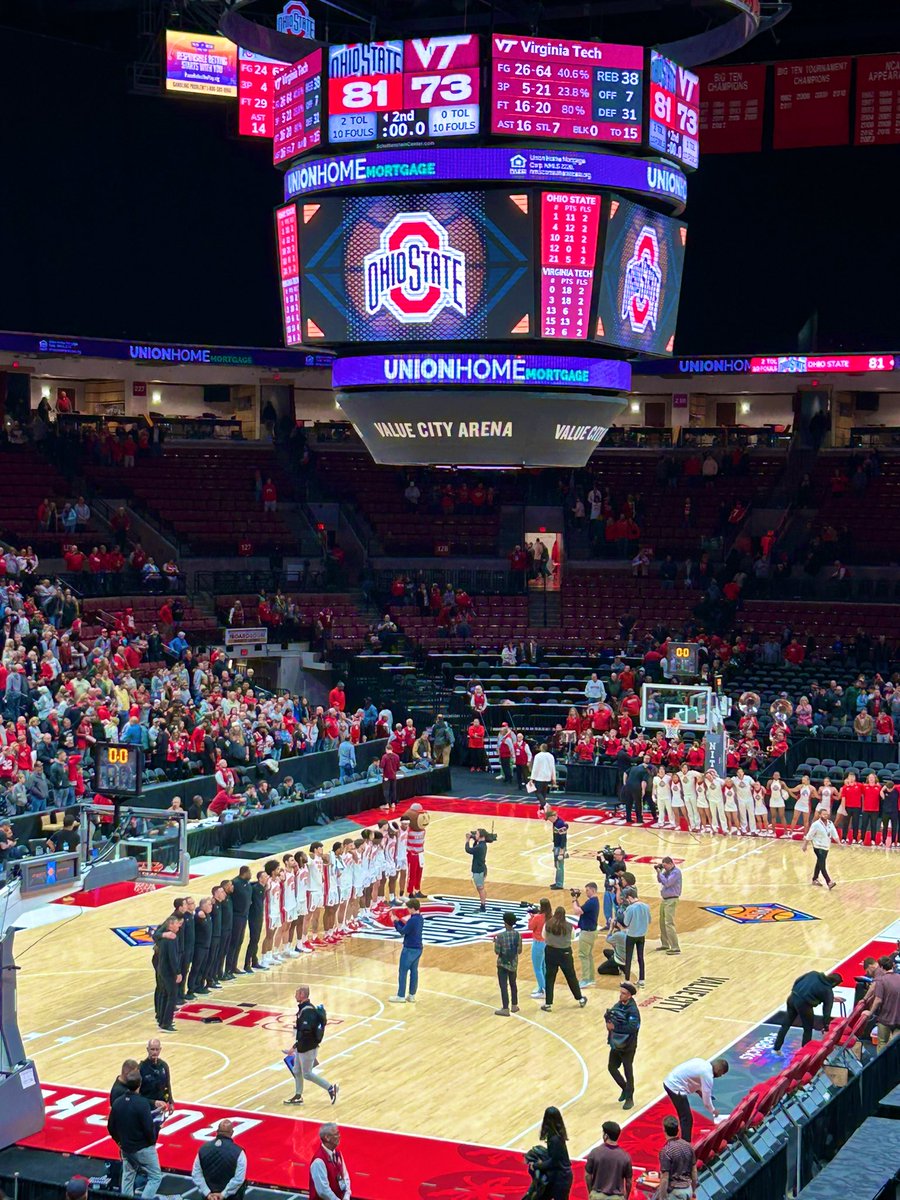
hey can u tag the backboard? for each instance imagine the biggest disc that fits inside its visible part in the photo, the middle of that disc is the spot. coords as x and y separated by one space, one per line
676 706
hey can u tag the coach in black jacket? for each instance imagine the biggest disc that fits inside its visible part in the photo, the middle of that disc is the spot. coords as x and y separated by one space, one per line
255 924
227 888
218 897
203 923
132 1128
240 910
168 974
188 938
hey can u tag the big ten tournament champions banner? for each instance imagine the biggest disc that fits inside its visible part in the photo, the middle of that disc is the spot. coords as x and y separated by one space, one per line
455 265
480 427
200 64
640 283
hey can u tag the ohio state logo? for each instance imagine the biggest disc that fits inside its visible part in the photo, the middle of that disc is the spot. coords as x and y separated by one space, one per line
643 283
415 273
294 18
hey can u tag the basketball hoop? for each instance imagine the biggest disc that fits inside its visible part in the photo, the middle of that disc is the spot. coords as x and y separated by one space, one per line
672 725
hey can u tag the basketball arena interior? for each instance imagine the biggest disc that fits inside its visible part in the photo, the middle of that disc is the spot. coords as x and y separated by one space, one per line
449 600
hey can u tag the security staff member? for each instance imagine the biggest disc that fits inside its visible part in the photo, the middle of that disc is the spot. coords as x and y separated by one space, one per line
255 924
220 1167
156 1078
240 909
202 941
218 897
227 888
187 947
168 974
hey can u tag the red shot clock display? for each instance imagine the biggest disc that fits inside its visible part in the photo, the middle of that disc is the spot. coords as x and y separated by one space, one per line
570 223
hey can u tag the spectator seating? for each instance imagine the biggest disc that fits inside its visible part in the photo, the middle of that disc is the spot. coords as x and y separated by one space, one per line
496 619
592 603
97 614
26 477
824 622
205 495
349 625
378 492
854 509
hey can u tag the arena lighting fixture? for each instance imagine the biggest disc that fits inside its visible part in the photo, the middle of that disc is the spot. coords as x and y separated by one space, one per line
745 407
635 406
156 398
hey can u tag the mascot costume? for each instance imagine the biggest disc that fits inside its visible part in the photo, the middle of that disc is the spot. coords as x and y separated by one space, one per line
415 848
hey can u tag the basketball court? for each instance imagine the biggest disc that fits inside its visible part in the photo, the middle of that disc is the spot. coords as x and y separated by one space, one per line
439 1078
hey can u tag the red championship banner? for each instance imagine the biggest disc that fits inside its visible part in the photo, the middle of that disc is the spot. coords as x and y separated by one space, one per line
877 100
812 103
732 102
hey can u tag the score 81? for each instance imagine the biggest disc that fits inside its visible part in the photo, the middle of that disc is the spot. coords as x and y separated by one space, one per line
370 93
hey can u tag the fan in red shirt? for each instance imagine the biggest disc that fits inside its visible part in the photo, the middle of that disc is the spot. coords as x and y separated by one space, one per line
222 800
475 735
794 652
884 726
631 704
602 718
871 803
337 697
584 751
398 740
74 559
625 724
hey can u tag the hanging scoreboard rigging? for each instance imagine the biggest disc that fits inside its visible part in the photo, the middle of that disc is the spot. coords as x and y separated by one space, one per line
404 91
544 87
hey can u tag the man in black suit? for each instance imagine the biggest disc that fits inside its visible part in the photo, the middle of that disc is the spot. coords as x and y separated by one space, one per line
202 940
227 889
240 909
132 1128
158 934
218 900
187 948
169 972
255 923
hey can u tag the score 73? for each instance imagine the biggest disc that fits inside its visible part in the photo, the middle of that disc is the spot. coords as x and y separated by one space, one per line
427 91
686 115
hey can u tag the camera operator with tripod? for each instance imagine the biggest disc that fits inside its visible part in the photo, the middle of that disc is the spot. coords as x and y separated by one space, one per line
588 918
611 861
476 845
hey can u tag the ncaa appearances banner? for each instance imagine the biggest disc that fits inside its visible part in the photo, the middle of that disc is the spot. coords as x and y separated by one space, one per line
481 370
496 428
640 282
454 265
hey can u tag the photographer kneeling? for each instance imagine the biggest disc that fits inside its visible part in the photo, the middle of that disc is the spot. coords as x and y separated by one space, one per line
476 845
588 918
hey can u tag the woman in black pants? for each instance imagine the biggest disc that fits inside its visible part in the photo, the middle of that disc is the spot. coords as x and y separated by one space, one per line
558 1167
558 957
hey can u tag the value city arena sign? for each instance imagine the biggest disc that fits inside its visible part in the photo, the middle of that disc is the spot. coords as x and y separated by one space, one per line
504 370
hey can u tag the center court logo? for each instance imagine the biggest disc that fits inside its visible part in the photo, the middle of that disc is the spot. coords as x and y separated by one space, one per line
415 273
449 921
758 914
643 283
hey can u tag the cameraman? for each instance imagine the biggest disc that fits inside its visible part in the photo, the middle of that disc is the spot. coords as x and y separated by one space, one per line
669 879
588 918
560 848
476 845
612 864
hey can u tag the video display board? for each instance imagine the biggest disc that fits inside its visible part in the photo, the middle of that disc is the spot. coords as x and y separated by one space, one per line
640 280
256 93
545 87
400 91
286 243
570 225
418 267
201 64
297 108
673 125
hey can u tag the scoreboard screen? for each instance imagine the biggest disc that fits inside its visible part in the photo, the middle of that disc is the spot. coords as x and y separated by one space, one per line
200 64
570 225
256 92
543 87
412 267
297 108
119 769
673 126
400 91
640 280
289 273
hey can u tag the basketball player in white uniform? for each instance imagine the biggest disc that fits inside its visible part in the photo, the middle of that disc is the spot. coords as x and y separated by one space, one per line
743 789
316 893
688 780
715 794
289 895
402 864
302 885
273 915
332 894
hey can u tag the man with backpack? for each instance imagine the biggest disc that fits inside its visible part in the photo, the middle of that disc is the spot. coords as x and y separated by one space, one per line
311 1022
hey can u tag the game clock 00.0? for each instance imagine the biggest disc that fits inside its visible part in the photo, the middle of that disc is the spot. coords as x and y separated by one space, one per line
119 770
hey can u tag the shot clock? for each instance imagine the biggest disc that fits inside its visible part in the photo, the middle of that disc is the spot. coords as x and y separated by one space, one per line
684 659
119 770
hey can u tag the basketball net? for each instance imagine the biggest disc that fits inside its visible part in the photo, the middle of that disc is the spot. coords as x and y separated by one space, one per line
672 725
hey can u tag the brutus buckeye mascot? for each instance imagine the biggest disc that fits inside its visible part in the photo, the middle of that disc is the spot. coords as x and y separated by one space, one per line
415 849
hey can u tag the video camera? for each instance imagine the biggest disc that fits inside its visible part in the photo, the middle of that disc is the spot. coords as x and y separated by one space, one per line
607 854
530 908
574 893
